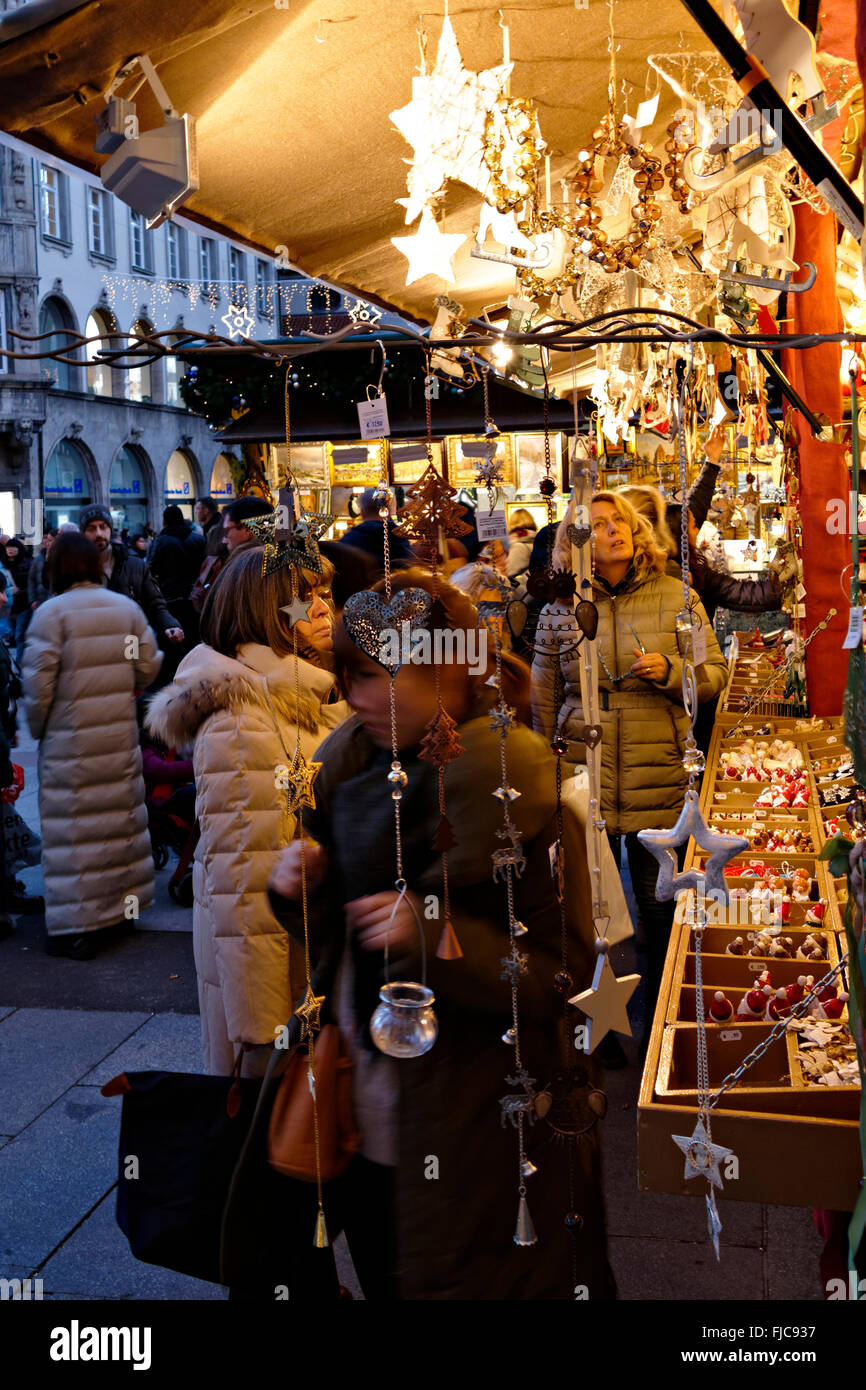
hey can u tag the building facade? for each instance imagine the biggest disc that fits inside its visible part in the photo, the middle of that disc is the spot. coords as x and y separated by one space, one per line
72 256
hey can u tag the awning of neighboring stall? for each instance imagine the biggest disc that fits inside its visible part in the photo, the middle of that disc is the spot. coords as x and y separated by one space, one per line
296 147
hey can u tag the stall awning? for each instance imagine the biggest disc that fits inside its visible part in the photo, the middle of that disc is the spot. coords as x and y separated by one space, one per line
296 148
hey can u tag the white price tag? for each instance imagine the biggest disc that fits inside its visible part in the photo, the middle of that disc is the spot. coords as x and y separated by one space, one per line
491 525
855 629
801 591
837 204
699 645
373 418
800 611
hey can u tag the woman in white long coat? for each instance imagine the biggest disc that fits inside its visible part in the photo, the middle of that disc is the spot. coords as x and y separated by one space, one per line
88 651
235 703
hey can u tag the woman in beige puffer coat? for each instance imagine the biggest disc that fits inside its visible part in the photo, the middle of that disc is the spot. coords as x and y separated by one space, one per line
88 651
234 703
644 725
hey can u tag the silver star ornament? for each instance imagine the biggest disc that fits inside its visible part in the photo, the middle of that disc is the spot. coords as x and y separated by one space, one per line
298 610
702 1156
721 849
604 1003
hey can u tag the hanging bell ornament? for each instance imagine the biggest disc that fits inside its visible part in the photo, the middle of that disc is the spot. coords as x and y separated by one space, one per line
320 1240
528 1168
519 929
510 1036
525 1232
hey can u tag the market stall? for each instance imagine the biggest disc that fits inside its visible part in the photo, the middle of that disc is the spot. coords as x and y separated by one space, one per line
660 271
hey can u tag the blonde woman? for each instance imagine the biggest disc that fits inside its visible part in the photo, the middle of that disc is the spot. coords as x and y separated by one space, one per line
234 702
522 531
643 722
649 503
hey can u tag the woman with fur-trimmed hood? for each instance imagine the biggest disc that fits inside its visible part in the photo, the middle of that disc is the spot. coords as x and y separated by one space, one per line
234 702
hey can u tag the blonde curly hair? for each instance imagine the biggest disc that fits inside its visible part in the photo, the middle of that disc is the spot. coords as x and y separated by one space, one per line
648 502
649 557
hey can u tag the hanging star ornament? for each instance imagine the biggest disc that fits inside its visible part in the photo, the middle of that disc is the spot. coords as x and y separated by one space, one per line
720 848
298 610
429 251
238 321
299 783
605 1002
445 124
302 547
702 1156
308 1012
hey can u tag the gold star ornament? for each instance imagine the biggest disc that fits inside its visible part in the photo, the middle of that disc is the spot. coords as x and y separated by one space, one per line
605 1002
300 778
308 1012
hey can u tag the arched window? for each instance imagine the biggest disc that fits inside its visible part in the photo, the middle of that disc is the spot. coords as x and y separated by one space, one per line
180 483
98 374
67 483
222 488
53 317
140 381
128 491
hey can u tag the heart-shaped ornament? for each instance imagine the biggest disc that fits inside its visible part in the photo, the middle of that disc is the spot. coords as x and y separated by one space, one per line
591 735
578 535
586 614
383 630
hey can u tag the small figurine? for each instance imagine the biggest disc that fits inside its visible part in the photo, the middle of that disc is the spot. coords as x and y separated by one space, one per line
721 1009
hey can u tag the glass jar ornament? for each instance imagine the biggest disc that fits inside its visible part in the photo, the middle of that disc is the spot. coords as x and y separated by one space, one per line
404 1024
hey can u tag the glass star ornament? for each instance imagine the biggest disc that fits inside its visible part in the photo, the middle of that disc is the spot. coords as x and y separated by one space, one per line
605 1002
429 251
721 849
300 778
701 1155
238 321
309 1013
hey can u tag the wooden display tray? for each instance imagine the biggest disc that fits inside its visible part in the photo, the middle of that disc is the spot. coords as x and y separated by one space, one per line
796 1144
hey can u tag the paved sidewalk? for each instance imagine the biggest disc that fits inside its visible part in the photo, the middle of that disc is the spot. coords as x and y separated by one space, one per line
68 1026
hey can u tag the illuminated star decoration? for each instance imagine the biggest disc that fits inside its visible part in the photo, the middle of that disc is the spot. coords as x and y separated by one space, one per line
298 610
362 312
445 122
238 321
308 1012
702 1156
300 778
604 1003
721 848
301 550
429 251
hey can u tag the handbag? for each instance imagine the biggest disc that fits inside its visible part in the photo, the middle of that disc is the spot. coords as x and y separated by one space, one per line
291 1134
181 1136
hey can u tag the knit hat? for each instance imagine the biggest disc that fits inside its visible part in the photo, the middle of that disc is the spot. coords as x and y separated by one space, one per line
95 512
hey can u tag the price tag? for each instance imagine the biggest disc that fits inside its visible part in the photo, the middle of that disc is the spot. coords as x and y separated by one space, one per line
373 418
801 591
855 629
731 1035
491 525
835 201
699 645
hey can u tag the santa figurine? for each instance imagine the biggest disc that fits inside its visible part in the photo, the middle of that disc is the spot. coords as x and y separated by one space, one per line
753 1005
796 992
777 1006
815 914
735 947
721 1009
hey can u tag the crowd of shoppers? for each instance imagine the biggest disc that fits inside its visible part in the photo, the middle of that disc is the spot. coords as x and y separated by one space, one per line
187 620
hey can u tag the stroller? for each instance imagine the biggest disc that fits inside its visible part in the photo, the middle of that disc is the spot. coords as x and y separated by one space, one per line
171 821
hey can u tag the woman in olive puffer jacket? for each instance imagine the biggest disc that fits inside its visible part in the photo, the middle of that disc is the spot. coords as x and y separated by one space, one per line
644 725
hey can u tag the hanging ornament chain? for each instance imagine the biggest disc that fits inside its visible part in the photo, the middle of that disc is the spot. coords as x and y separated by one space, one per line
693 759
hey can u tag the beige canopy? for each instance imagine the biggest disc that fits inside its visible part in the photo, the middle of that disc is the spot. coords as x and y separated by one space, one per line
292 101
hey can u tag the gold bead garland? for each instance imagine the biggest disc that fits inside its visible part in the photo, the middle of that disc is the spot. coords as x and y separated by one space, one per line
610 138
512 120
675 149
